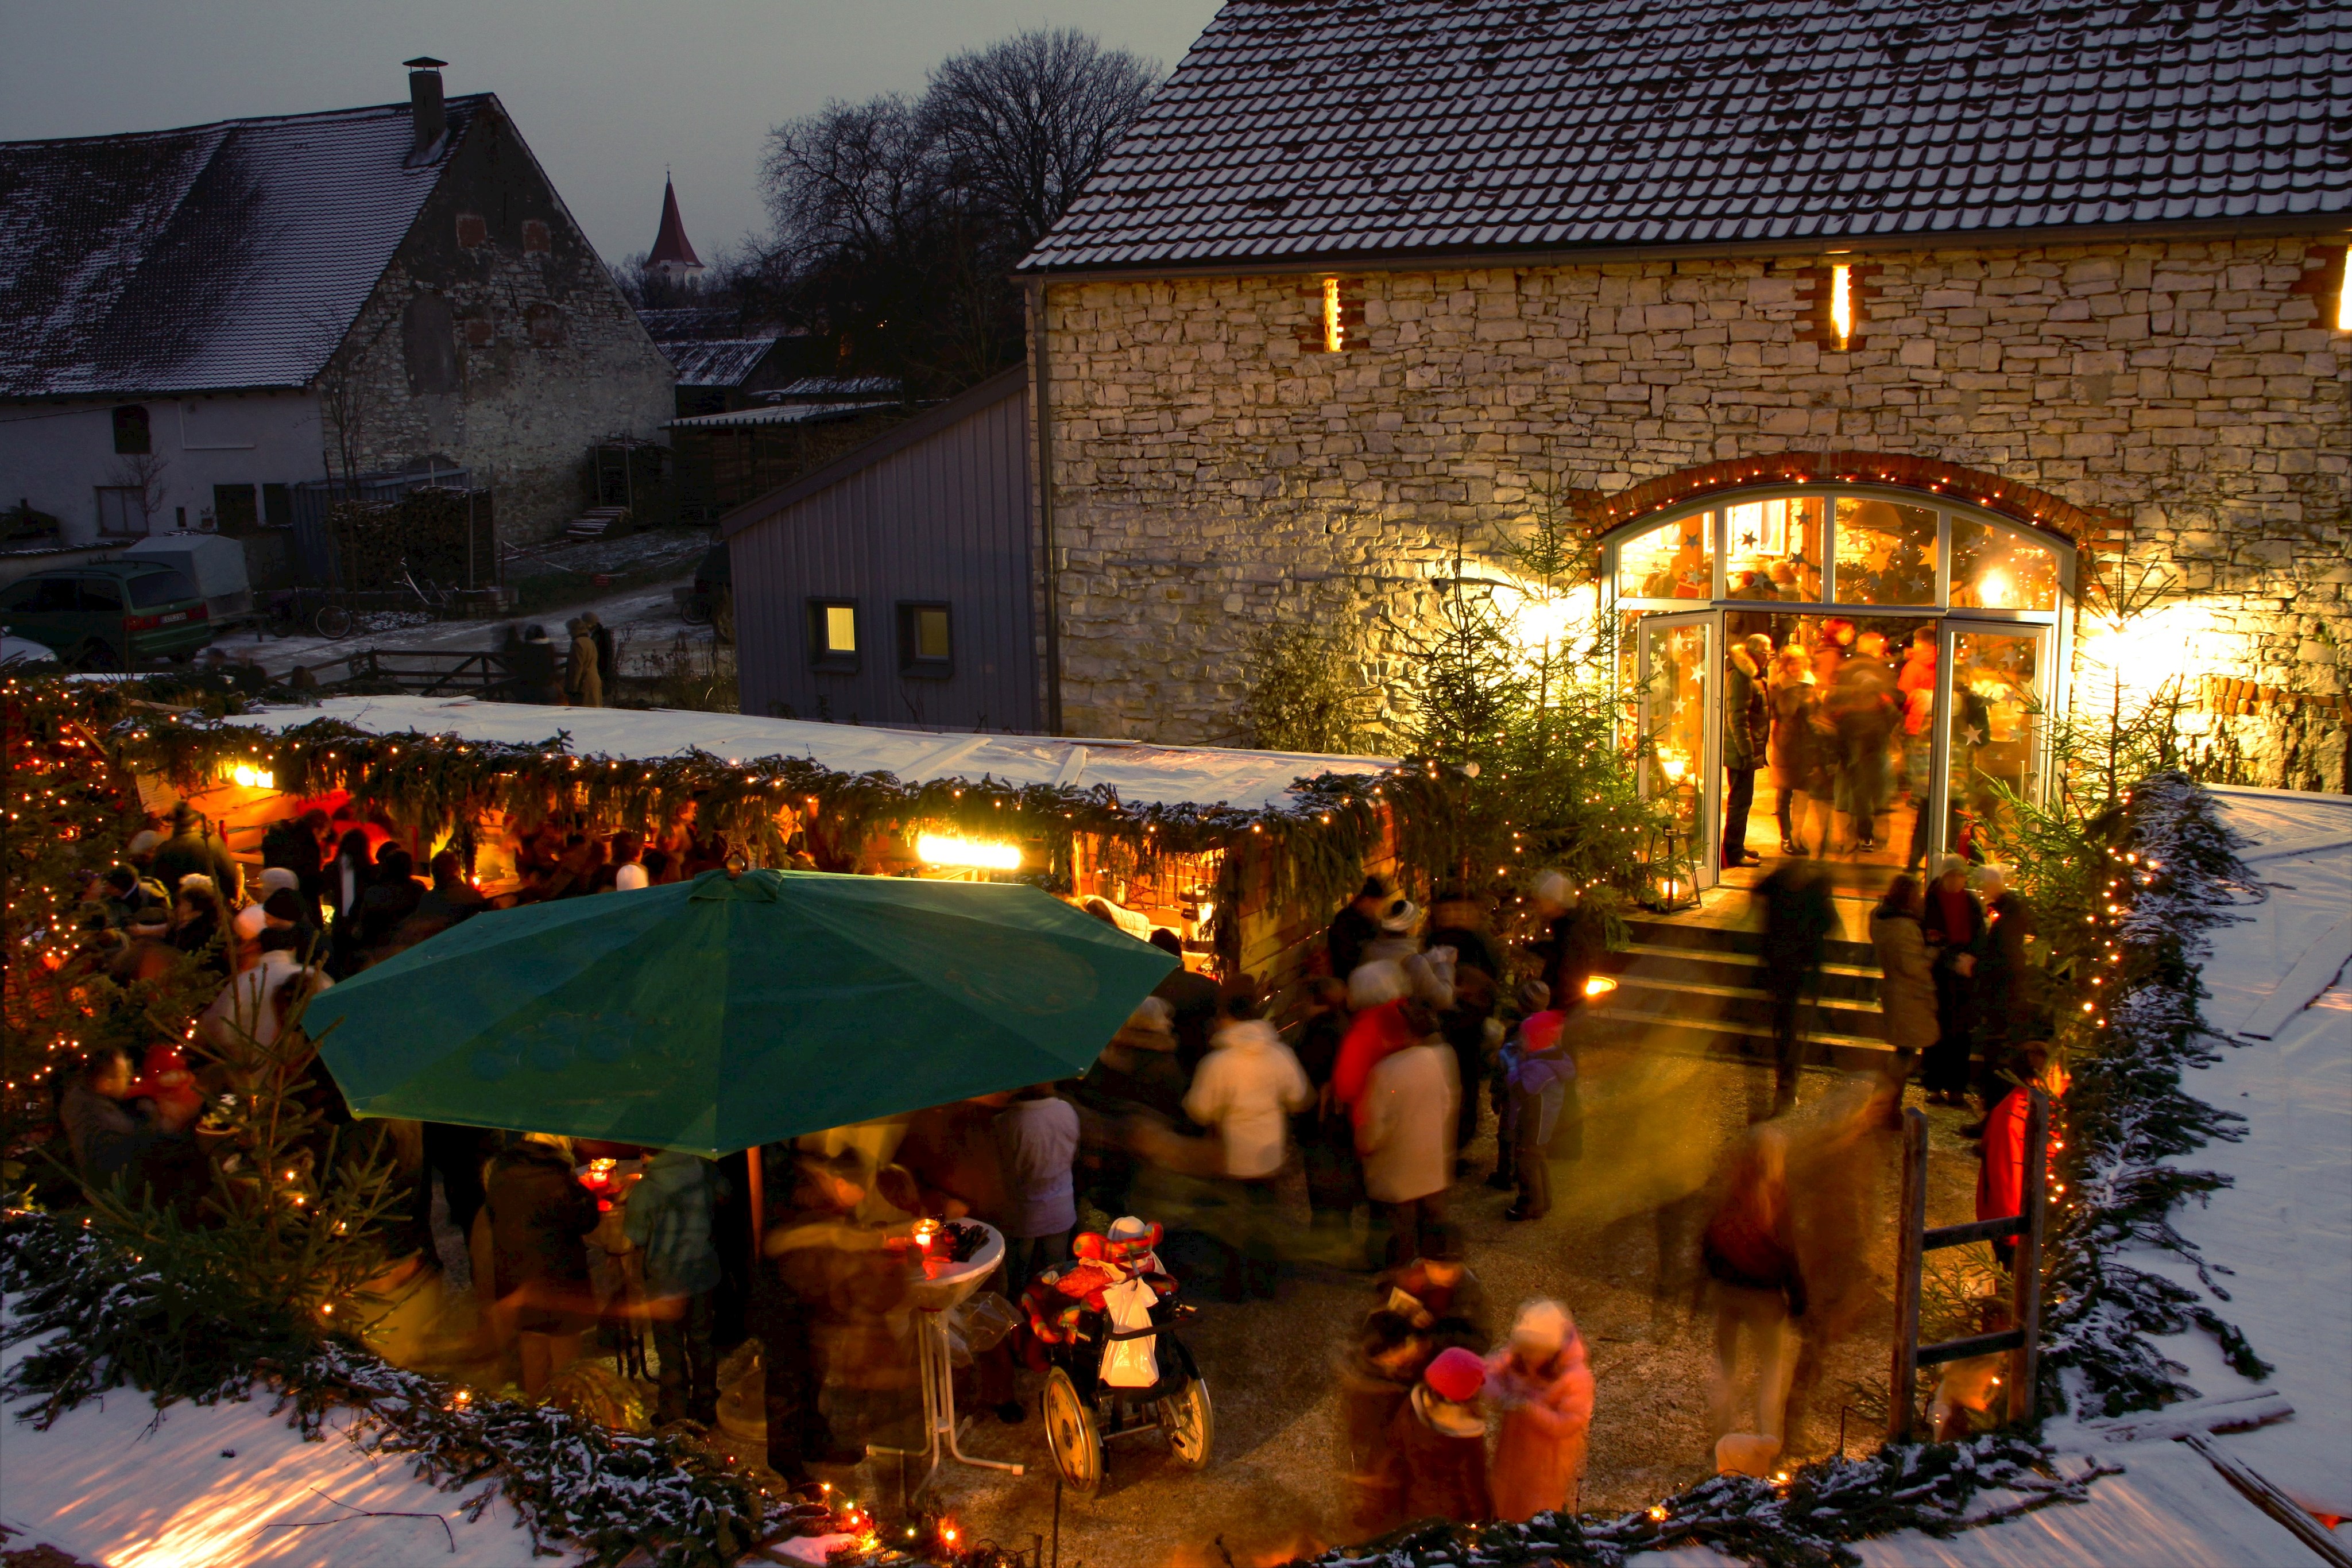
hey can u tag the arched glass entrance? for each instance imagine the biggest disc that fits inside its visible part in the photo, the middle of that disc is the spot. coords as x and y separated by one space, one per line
1847 672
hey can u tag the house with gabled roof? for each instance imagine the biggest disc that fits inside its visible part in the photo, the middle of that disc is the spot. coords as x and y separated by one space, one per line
1923 318
195 322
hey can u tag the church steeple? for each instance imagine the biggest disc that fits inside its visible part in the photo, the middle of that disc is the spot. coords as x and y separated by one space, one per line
673 256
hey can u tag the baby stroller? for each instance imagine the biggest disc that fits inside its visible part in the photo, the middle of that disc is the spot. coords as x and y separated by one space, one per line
1099 1325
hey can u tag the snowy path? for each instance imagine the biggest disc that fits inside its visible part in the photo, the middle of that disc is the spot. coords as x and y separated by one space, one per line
207 1486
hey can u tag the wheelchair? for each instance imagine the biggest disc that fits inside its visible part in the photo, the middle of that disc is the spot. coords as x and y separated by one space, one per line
1082 1412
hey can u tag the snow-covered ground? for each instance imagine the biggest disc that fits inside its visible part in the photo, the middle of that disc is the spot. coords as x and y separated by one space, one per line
117 1483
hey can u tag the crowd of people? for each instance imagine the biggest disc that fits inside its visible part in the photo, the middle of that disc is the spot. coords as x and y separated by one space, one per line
1842 727
1421 1027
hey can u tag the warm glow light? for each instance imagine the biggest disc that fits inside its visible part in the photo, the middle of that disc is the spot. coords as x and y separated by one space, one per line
938 849
1841 302
1333 334
1599 985
1994 591
253 777
1675 767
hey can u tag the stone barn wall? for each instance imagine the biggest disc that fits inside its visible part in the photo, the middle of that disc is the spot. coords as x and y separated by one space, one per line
1215 467
496 340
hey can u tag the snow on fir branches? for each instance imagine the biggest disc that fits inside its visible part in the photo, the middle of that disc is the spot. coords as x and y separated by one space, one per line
2165 873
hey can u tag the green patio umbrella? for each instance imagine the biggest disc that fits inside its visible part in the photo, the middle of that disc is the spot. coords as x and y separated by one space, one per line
730 1011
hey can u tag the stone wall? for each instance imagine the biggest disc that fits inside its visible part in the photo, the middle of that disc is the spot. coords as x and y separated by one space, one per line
497 341
1214 468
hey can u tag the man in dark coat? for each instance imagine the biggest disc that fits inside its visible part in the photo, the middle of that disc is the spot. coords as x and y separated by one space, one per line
298 844
1353 926
1799 917
194 847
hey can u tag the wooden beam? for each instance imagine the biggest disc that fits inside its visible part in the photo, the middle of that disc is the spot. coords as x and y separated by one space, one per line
1974 1230
1911 1207
2270 1500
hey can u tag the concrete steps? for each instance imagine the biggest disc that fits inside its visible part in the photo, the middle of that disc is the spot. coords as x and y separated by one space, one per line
1689 987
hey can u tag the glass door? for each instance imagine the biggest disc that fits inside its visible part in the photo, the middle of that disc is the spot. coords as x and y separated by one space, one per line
1997 677
1681 721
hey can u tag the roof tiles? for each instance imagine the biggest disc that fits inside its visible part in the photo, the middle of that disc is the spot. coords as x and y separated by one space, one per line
215 257
1373 126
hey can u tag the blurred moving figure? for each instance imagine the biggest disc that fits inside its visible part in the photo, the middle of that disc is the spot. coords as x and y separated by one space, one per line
1438 1442
539 1218
2000 1174
1246 1090
1800 917
1540 1383
1953 924
1750 1250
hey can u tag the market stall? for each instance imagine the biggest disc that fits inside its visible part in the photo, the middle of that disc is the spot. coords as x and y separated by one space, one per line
1242 855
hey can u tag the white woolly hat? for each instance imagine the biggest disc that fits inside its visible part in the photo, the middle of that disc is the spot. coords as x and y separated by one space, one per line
1553 887
1543 1327
1382 980
250 920
277 877
630 877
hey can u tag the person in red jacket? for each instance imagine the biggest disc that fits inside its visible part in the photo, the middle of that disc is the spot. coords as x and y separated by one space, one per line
2000 1178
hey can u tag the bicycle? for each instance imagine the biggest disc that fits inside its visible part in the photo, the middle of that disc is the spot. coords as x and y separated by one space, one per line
286 618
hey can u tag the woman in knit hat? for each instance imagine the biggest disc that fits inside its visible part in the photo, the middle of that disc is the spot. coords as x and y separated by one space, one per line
1540 1383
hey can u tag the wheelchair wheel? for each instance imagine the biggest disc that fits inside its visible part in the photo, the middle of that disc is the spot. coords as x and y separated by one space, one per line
1070 1434
1190 1424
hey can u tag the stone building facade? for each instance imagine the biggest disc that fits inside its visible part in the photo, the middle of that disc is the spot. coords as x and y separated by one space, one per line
495 340
1215 467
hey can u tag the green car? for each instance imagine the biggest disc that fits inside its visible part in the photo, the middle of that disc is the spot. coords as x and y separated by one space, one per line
109 614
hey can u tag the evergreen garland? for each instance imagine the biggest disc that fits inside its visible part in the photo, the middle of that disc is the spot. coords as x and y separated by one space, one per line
1802 1521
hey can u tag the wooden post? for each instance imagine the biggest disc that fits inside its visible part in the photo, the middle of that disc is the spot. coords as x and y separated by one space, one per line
758 1197
1903 1380
2025 1280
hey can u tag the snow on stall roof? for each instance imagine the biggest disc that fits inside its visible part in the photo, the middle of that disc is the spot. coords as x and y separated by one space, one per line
211 257
1142 773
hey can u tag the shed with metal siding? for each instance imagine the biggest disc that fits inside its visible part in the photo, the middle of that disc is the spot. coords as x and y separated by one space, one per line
933 512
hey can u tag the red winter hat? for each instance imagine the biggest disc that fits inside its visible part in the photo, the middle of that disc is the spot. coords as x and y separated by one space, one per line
1457 1375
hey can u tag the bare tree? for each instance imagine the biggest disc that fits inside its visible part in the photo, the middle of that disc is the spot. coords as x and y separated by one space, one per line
897 223
142 475
1023 123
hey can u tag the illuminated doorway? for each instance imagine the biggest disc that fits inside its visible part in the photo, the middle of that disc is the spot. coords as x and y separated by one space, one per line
1855 674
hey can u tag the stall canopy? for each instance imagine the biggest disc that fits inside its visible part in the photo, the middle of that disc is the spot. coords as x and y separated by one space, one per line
1140 773
733 1010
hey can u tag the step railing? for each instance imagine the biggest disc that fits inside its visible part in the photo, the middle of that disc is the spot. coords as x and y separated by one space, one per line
1913 1240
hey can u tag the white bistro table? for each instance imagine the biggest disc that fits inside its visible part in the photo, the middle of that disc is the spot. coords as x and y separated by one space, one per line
933 1293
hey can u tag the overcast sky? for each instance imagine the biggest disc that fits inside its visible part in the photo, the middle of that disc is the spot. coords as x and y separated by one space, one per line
607 93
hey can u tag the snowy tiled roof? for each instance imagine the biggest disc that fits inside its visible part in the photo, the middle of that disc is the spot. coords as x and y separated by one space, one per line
679 322
1364 128
714 363
782 413
208 258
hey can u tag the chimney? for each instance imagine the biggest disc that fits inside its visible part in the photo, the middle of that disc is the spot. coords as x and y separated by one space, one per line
424 104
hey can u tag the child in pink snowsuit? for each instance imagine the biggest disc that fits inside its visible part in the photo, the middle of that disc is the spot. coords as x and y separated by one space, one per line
1541 1386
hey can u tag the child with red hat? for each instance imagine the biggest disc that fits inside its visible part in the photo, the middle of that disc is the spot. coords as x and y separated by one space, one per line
1437 1441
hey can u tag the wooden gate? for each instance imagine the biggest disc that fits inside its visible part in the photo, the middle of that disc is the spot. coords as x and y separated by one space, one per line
2023 1340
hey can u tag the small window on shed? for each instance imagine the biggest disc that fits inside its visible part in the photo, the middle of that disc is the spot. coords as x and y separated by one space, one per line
472 231
534 235
131 438
546 323
924 645
833 633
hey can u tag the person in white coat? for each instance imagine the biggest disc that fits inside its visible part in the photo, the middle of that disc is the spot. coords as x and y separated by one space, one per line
1247 1088
1405 1132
